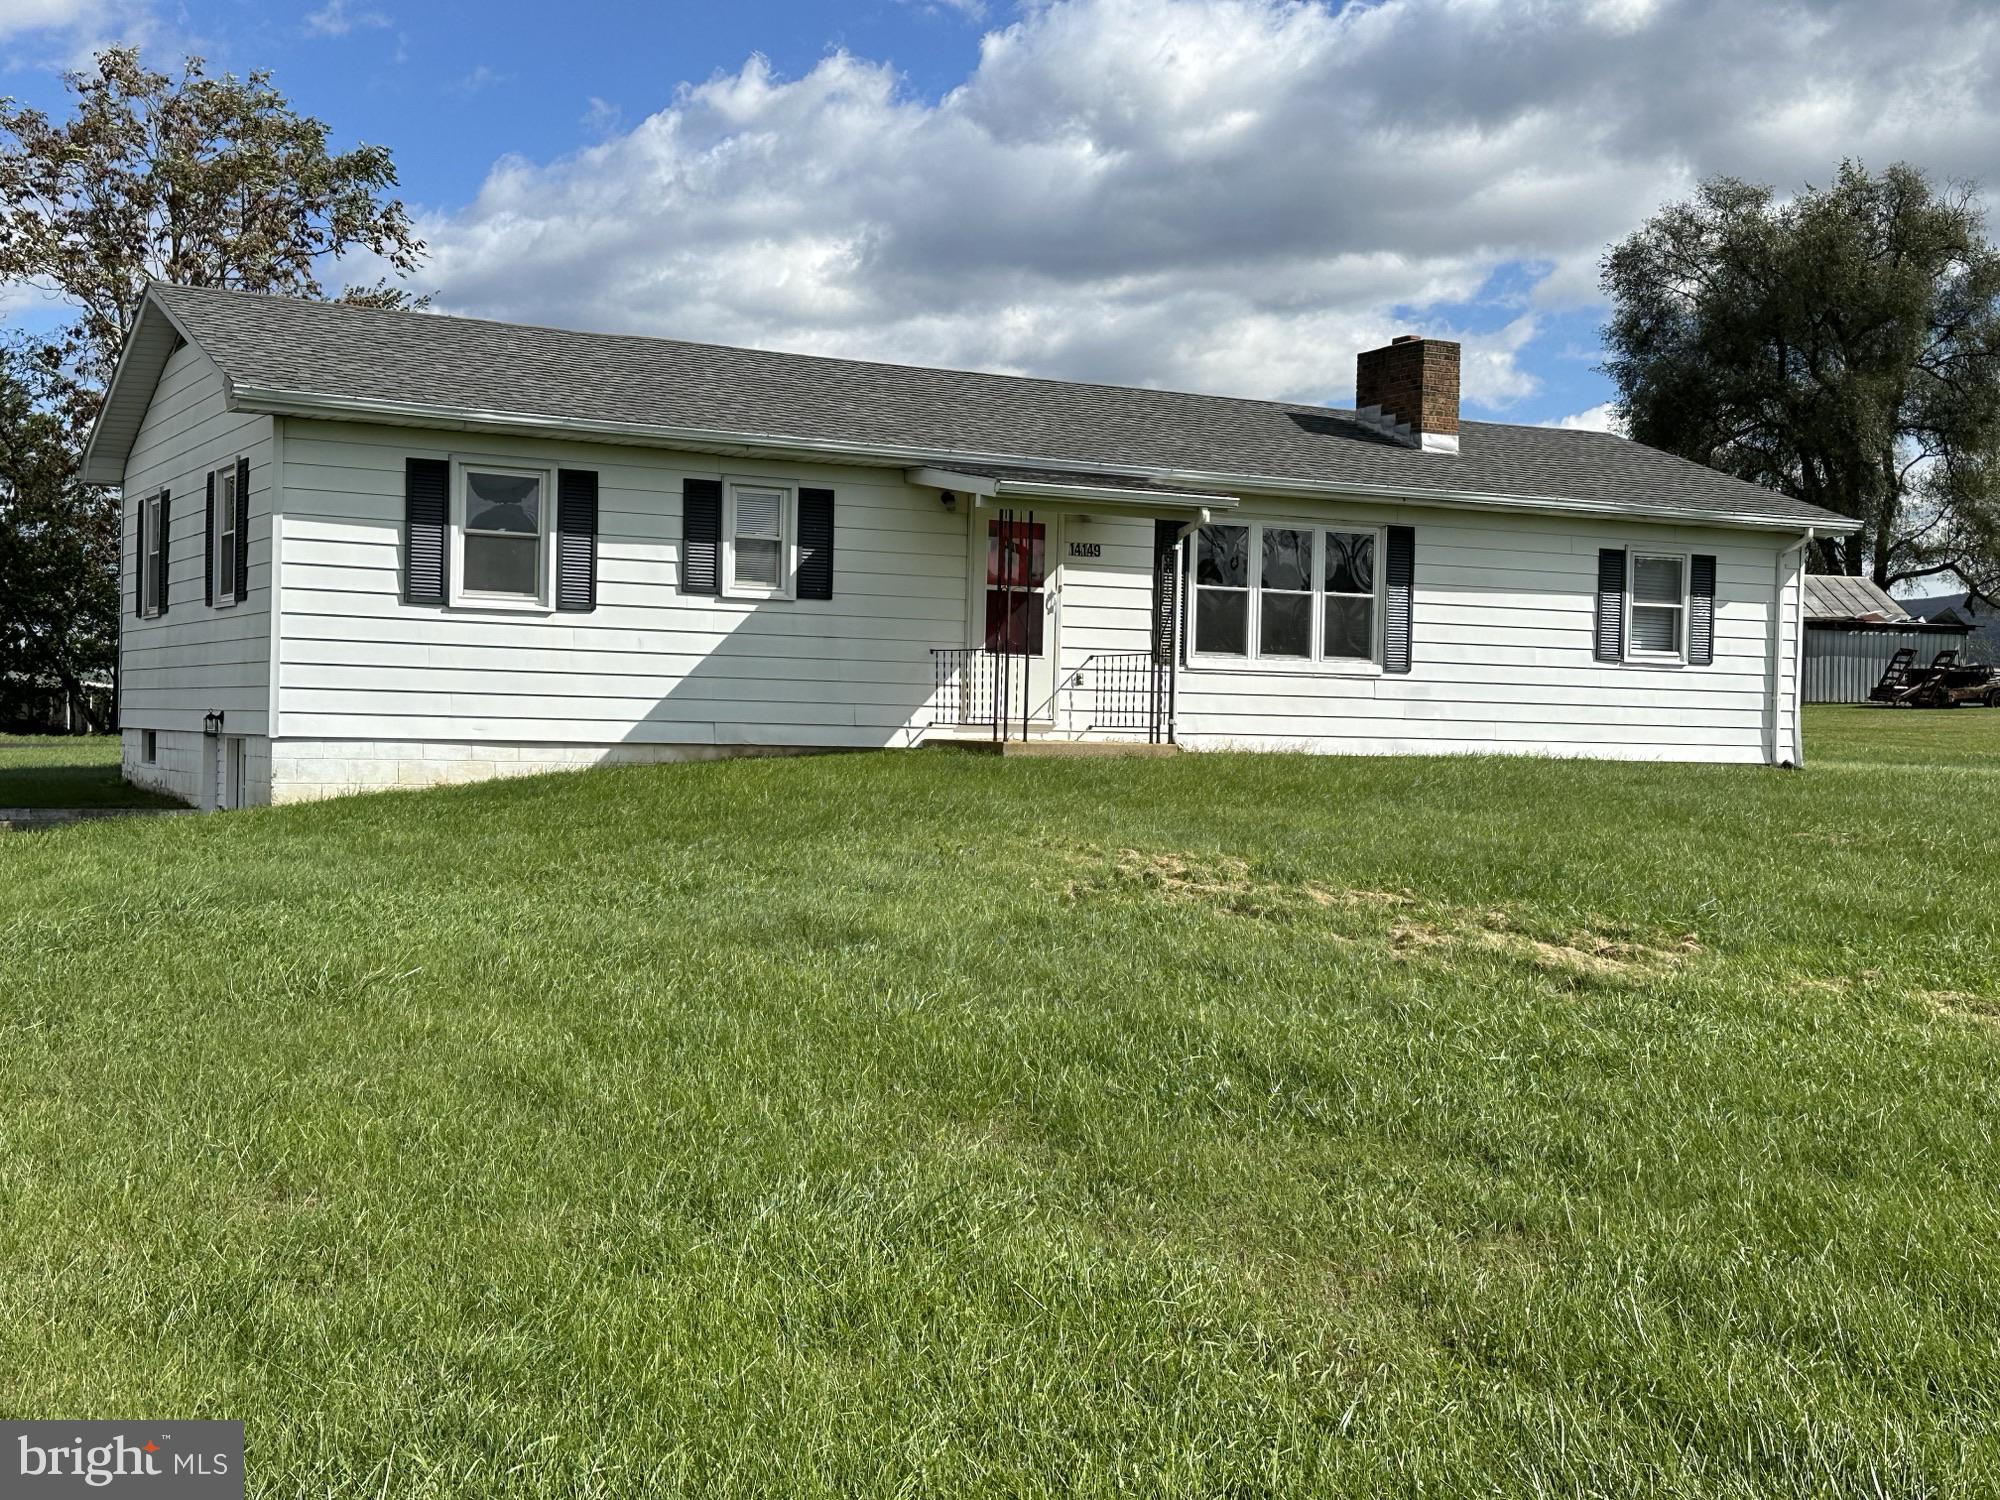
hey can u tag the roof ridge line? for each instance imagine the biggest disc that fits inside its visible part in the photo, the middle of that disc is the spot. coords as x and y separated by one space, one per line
834 359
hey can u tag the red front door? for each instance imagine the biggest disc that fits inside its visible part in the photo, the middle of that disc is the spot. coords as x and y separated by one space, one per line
1016 567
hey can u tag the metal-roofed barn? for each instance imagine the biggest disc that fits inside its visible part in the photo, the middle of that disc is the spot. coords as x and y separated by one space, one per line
1853 628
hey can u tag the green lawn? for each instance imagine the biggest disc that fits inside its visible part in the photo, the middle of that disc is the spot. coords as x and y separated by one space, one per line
67 771
934 1124
1961 738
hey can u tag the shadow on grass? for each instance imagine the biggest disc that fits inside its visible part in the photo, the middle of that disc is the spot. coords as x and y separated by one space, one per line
41 771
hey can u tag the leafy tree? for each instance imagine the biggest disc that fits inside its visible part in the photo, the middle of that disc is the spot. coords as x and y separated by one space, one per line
58 553
199 180
1842 347
205 181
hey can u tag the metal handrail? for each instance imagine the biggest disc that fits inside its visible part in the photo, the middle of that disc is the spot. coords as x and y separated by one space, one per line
976 687
979 688
1129 691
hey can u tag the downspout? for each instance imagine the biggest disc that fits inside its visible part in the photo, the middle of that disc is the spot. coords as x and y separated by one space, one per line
1786 634
1180 622
1799 649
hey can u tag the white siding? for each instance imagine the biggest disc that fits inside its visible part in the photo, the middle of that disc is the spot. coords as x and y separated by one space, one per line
176 668
1502 653
369 691
1107 601
648 667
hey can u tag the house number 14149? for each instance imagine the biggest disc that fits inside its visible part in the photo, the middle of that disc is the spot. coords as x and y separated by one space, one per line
1086 549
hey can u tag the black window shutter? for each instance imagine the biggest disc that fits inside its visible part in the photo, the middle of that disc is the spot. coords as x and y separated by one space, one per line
701 536
242 529
815 544
148 524
208 547
1701 610
1166 587
426 511
166 532
576 539
1611 604
1400 598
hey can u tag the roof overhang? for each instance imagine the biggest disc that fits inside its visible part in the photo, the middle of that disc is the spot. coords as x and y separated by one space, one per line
154 337
1080 491
1885 627
1185 489
1173 481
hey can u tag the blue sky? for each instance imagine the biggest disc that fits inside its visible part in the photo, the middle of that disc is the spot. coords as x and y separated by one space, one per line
1226 195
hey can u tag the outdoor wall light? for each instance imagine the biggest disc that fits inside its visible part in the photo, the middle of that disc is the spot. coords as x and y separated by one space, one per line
211 723
947 499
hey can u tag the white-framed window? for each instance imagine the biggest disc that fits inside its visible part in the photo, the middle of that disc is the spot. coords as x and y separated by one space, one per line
226 522
1351 614
1286 593
502 512
1221 624
149 746
1657 609
758 523
149 557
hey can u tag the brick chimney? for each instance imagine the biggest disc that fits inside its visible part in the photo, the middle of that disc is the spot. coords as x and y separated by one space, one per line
1409 390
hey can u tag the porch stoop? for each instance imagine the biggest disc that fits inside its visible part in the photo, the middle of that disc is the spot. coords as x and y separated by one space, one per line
1054 748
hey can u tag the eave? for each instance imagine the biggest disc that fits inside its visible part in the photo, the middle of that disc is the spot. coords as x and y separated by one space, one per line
154 337
155 332
1009 487
780 445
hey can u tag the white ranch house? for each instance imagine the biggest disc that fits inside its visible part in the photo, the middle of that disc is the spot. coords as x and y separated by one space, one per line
368 549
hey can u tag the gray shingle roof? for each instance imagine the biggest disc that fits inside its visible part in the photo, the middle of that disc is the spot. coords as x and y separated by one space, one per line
369 355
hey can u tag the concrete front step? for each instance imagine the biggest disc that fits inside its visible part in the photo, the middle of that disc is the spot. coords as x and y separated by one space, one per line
1058 748
1137 748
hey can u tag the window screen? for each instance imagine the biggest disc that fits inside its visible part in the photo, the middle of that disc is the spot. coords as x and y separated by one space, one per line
760 538
1659 603
503 533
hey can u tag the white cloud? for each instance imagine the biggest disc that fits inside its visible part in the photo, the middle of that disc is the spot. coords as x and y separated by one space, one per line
1599 418
18 298
1225 195
335 19
479 80
17 16
65 33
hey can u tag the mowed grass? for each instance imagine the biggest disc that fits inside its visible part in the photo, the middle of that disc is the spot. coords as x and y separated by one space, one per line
921 1124
67 771
1871 735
